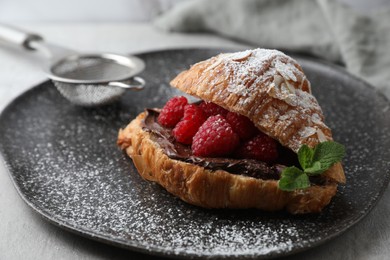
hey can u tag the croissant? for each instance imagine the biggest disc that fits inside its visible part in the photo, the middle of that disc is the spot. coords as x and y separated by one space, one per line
271 89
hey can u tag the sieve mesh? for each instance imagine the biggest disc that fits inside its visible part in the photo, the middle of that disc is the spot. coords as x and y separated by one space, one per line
91 68
89 94
95 80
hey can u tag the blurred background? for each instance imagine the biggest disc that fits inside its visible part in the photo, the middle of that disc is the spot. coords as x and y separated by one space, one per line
82 10
15 11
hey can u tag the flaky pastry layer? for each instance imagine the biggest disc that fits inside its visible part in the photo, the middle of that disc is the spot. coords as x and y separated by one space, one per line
268 87
215 189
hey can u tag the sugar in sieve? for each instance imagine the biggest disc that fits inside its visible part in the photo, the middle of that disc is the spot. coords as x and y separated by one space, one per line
86 79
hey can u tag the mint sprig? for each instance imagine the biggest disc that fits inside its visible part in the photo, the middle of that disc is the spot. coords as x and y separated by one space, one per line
313 161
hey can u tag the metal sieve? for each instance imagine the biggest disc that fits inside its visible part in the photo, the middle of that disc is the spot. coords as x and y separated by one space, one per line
90 79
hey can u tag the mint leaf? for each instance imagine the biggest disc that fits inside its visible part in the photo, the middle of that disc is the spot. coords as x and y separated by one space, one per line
293 178
305 156
322 157
315 169
313 162
328 153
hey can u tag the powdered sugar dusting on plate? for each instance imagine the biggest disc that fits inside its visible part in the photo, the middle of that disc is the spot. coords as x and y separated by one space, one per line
65 163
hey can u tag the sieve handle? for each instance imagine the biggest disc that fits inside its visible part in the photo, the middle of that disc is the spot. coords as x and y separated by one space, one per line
18 37
138 85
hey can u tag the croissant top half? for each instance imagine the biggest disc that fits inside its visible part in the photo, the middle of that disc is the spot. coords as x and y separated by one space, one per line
268 87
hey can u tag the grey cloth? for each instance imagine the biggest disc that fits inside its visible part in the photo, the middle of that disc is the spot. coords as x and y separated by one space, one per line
323 28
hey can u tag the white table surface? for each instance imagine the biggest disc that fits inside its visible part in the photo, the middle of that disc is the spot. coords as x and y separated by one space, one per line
26 235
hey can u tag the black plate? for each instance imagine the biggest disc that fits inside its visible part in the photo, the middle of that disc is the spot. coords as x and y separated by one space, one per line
65 164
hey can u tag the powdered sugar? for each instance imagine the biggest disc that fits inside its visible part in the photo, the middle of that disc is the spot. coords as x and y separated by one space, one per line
65 162
280 77
308 131
244 66
260 64
287 70
250 68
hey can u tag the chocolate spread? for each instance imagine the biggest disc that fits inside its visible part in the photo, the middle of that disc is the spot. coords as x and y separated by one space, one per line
181 152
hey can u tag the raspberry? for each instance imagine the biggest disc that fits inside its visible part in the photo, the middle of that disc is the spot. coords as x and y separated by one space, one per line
172 112
212 109
186 129
261 147
215 138
242 125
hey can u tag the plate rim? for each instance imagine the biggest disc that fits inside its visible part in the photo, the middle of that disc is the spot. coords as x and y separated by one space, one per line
159 251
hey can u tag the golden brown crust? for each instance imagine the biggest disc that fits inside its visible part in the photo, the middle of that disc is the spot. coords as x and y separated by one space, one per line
270 89
215 189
